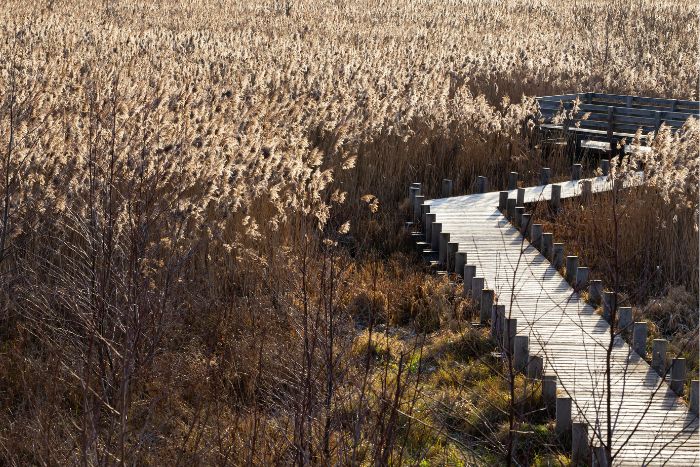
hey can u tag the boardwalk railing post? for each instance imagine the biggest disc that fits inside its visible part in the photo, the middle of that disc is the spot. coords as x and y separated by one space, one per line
535 367
595 291
576 172
511 210
519 211
608 304
549 392
452 248
563 416
429 219
694 396
605 166
413 191
600 457
678 374
555 200
547 245
446 188
659 360
469 274
424 211
435 236
624 319
520 197
477 287
580 449
442 248
502 201
500 312
487 296
512 180
536 236
418 202
460 261
586 190
510 329
544 176
581 277
639 338
571 267
521 353
557 255
482 184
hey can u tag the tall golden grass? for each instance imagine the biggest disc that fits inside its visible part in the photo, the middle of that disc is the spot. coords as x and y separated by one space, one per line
176 266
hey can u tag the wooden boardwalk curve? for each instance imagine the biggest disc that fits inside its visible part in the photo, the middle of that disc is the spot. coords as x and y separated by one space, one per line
651 424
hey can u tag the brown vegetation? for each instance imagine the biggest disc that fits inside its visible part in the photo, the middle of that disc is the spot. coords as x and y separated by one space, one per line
178 281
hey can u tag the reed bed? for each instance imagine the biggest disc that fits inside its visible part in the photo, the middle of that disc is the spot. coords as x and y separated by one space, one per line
195 193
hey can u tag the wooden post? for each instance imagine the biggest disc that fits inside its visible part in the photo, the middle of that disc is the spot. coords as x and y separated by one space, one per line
608 305
611 130
521 352
446 188
452 248
469 274
595 291
510 329
418 201
558 255
555 201
512 180
535 367
571 267
624 319
581 277
605 166
413 192
520 197
414 185
525 224
576 172
694 396
536 236
678 375
442 248
424 211
657 120
429 220
544 176
494 322
477 287
580 449
549 392
499 312
435 236
519 211
547 245
659 360
487 296
600 457
460 261
586 190
482 184
639 338
563 415
511 209
502 201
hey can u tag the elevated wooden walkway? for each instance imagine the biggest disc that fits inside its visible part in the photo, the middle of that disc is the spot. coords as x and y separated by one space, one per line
651 424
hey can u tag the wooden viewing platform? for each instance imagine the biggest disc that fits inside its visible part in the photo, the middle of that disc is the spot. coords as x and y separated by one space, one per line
604 120
651 424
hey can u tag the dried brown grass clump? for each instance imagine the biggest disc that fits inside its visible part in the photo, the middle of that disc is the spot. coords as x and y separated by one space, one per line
676 312
369 307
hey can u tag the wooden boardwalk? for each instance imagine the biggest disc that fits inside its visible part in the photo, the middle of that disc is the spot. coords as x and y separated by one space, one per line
651 425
